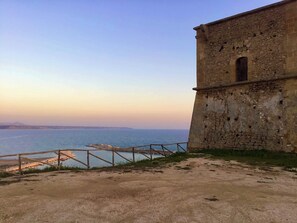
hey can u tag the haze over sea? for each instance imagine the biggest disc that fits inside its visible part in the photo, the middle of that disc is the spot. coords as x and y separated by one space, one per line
18 141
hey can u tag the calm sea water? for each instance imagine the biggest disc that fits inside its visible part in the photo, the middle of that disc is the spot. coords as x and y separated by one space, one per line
19 141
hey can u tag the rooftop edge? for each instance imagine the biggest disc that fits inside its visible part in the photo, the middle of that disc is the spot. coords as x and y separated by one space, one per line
246 13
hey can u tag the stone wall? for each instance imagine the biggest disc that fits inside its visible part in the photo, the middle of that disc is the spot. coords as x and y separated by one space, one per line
291 38
260 113
267 38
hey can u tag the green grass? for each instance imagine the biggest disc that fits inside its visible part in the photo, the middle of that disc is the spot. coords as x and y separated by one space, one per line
49 169
162 161
5 174
254 157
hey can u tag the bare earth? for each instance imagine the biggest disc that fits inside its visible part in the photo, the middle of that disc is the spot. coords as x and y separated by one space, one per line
196 190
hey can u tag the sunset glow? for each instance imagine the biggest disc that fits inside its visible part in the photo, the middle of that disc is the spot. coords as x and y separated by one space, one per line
102 63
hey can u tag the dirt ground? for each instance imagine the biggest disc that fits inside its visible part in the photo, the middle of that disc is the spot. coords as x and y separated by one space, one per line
196 190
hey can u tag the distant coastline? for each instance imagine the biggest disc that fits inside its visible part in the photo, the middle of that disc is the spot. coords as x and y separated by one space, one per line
23 126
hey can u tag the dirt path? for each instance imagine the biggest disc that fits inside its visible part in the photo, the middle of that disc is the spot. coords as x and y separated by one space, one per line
197 190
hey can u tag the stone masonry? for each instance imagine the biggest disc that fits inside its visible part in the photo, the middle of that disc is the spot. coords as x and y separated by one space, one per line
257 113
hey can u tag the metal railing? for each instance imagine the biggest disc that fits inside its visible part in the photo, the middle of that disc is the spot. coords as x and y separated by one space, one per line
25 161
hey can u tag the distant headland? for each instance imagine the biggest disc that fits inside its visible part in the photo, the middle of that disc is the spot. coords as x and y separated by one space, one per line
18 125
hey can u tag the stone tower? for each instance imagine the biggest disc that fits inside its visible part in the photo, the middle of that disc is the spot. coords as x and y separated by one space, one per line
246 93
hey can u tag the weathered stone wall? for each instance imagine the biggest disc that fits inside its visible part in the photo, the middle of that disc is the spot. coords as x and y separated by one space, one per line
290 114
260 113
291 38
267 38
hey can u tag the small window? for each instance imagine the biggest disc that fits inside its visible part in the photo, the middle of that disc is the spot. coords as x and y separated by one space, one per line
242 69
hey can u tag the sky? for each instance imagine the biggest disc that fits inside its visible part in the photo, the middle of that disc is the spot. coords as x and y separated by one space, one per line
103 62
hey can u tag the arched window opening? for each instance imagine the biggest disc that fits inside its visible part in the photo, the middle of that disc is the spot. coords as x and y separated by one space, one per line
242 69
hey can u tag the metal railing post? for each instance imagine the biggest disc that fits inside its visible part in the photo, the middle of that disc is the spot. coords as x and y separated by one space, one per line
151 152
133 154
112 157
88 159
59 159
20 163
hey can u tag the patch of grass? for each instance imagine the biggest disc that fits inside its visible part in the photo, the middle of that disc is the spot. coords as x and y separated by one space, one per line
162 161
50 169
255 157
5 174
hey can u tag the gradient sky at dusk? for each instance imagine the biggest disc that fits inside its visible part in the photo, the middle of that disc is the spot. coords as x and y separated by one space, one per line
103 63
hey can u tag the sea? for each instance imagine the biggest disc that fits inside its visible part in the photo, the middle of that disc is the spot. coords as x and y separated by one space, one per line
34 140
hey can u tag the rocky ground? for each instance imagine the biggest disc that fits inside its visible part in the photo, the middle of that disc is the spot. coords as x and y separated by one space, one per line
196 190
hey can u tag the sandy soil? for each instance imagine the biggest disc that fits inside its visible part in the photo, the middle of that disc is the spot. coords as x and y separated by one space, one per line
197 190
